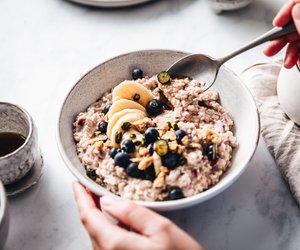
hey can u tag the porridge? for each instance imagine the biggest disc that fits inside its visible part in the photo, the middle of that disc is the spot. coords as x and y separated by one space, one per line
155 138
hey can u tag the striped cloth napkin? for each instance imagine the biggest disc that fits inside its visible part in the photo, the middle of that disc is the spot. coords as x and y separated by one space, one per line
281 135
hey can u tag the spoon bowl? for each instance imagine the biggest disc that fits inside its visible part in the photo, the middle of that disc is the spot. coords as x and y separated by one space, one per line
196 66
205 69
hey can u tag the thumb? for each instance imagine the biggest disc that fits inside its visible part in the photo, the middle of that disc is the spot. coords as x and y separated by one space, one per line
296 16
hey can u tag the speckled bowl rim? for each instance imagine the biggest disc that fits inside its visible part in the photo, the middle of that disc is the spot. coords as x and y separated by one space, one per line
30 130
160 205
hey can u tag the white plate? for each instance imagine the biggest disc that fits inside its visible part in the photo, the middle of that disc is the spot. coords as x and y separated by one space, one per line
110 3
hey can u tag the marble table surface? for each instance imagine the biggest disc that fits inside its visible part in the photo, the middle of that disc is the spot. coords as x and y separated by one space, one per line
47 45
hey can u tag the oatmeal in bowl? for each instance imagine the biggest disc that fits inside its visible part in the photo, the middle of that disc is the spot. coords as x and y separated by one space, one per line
155 138
166 146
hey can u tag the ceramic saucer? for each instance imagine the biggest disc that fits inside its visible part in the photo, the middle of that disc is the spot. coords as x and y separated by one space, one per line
29 180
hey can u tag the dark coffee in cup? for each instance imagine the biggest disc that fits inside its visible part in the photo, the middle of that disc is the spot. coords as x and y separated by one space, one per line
9 142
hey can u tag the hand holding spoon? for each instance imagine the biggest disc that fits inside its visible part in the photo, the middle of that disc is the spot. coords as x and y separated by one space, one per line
205 69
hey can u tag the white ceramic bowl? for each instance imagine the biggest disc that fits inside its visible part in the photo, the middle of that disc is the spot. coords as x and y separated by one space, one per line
288 90
4 216
234 95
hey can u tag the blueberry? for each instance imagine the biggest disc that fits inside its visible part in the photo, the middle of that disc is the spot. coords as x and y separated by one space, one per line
133 171
150 149
151 135
149 173
182 160
175 193
122 159
113 152
102 126
170 160
210 152
106 108
128 146
179 135
137 74
154 107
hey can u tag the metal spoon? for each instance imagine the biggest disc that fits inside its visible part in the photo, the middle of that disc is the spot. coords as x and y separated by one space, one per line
205 69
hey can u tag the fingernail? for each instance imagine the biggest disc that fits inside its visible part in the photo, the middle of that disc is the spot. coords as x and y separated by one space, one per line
296 12
287 65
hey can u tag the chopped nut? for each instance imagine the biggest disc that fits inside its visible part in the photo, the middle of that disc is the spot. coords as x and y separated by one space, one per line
102 137
165 126
211 136
89 142
108 144
169 135
180 149
209 133
143 124
185 140
216 140
173 145
157 163
194 145
145 163
99 144
160 86
143 151
136 159
164 169
159 181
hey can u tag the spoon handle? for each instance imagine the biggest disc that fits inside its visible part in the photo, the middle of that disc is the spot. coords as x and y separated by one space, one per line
272 34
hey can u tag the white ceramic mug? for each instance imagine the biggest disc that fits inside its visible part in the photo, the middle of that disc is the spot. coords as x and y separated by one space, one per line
16 164
288 90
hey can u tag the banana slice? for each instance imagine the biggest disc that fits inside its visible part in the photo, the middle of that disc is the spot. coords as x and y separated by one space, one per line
117 131
123 104
116 116
131 90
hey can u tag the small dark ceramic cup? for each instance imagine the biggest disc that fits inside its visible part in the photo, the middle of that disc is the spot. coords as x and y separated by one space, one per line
15 165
